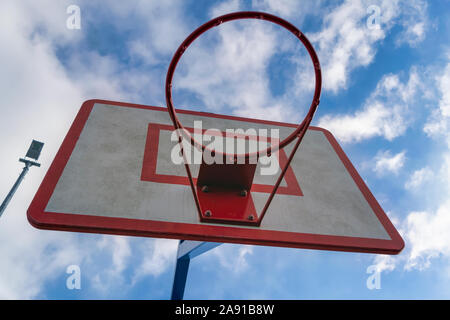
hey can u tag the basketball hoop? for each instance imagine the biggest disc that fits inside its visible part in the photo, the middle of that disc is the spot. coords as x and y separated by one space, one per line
239 176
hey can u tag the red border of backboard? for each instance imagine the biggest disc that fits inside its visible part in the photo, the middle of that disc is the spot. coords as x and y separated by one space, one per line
39 218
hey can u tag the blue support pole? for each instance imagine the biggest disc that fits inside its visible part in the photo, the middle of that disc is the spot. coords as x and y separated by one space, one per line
179 281
186 251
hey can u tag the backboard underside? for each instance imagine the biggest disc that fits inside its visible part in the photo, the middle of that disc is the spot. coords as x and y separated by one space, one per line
114 174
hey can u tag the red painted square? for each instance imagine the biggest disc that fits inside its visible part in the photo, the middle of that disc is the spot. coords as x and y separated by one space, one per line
149 172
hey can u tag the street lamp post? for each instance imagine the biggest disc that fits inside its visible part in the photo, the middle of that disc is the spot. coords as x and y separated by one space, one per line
33 153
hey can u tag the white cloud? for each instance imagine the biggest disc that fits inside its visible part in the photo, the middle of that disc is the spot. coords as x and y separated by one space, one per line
427 235
445 170
159 255
142 52
288 9
374 120
30 258
387 163
120 249
426 231
444 84
45 18
285 8
385 112
167 16
346 43
384 263
438 124
112 275
225 7
419 177
149 18
414 22
233 258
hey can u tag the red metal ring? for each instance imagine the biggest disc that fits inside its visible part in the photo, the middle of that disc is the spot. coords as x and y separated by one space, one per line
236 16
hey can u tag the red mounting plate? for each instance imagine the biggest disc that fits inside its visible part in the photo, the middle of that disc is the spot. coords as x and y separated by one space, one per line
224 193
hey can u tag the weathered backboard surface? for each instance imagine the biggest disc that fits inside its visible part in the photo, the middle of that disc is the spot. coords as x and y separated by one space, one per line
114 174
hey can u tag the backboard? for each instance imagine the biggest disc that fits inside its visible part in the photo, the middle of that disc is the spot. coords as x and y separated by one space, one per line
118 171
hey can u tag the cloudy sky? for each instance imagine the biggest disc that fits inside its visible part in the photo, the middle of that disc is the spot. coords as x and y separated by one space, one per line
386 98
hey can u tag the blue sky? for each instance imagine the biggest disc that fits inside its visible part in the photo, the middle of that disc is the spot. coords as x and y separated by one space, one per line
386 98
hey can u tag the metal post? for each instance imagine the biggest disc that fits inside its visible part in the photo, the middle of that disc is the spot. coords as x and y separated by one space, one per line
33 152
186 251
14 188
28 164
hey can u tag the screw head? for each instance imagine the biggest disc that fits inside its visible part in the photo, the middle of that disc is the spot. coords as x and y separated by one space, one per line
243 193
208 213
205 188
251 217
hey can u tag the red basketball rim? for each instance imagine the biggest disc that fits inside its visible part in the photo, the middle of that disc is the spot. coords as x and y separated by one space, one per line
237 16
